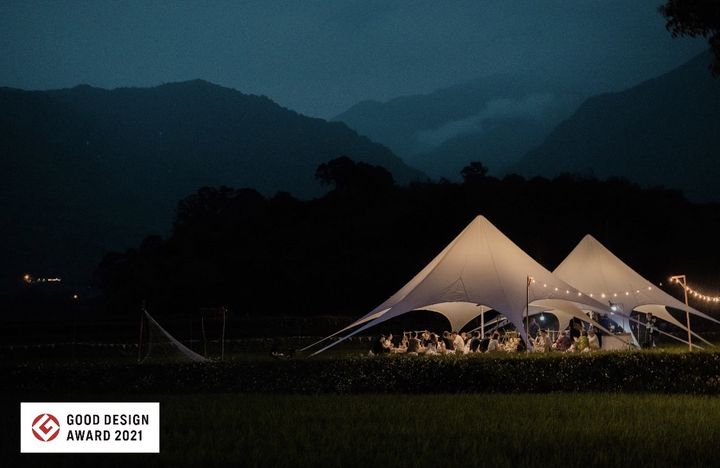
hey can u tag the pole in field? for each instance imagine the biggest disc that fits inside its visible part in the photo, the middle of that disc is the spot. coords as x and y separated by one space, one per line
142 316
683 282
527 313
482 321
202 328
222 342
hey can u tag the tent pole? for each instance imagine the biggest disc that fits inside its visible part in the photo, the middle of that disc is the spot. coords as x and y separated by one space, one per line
222 343
142 313
202 327
687 313
682 279
527 313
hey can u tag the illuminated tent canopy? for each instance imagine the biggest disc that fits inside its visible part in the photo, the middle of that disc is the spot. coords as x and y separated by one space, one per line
597 272
480 267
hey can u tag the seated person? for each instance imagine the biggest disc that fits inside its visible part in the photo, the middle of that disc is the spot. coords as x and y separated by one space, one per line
483 346
432 345
449 342
379 345
582 344
405 339
593 342
414 345
542 342
402 347
388 345
474 342
458 343
494 344
563 341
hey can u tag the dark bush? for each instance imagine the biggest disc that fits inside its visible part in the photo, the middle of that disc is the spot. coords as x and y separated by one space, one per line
696 373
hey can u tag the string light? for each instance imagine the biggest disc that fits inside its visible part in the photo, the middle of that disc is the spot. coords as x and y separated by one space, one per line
627 293
695 293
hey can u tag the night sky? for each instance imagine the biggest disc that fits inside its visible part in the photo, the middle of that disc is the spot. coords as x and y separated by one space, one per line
320 57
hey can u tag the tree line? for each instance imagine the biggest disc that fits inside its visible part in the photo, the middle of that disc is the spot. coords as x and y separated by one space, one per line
347 251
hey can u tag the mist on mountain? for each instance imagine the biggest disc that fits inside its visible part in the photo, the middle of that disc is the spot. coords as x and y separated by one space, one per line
495 119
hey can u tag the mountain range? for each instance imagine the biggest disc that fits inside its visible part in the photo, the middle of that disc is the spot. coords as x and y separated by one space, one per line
85 170
664 131
494 119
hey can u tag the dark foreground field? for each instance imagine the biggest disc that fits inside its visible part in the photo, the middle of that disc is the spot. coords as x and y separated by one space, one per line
647 408
420 430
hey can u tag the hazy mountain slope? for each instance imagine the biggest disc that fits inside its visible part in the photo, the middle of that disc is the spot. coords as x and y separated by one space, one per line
665 131
84 170
494 119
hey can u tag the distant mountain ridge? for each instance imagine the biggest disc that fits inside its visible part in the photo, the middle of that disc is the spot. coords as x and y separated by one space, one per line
494 119
664 131
84 170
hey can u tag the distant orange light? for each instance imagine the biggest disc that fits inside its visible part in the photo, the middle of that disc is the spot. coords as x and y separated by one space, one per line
27 278
76 297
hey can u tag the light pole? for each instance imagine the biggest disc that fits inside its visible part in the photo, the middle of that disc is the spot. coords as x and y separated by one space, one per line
683 281
482 321
527 313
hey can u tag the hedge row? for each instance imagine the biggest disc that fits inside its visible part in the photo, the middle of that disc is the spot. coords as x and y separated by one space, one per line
697 373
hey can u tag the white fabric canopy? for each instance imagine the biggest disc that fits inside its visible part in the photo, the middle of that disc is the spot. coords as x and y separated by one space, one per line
480 266
597 272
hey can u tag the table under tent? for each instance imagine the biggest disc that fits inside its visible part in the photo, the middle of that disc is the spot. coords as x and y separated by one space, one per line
481 269
563 310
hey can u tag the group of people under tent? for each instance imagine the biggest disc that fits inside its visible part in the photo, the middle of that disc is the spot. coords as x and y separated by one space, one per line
576 338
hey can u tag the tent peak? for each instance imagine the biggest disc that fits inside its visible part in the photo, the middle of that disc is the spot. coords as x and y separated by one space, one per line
590 238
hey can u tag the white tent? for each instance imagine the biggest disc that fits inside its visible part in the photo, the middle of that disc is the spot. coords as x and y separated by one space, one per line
481 266
597 272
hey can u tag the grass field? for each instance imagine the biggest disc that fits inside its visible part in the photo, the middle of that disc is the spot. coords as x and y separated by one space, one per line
212 414
421 430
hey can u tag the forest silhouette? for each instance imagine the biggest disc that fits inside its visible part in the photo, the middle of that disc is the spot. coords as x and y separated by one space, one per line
344 252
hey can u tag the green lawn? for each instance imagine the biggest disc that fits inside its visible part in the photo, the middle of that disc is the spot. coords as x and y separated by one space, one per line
562 429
